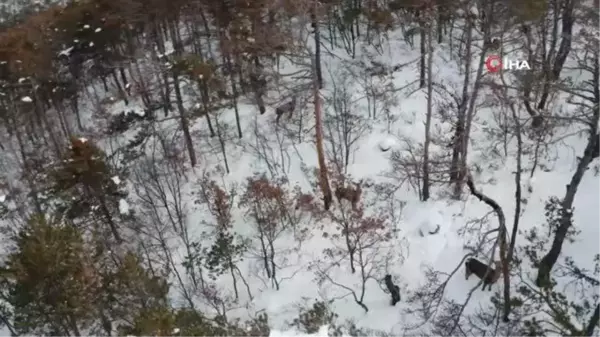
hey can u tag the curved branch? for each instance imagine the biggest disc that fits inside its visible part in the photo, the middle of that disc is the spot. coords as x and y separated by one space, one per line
501 240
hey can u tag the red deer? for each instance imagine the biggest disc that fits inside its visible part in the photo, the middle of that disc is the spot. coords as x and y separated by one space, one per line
349 193
474 266
258 86
288 107
408 7
393 289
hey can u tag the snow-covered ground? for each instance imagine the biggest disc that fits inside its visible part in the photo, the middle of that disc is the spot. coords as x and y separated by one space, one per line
411 249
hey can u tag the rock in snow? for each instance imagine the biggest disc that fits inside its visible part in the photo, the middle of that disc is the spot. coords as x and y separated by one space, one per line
387 143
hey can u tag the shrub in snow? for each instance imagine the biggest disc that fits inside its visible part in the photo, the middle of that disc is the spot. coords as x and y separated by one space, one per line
227 248
311 320
276 217
258 326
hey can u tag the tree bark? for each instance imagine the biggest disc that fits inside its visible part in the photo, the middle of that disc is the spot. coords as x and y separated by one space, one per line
589 329
184 121
315 25
323 176
426 183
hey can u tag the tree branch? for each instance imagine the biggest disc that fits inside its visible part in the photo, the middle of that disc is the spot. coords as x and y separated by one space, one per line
502 241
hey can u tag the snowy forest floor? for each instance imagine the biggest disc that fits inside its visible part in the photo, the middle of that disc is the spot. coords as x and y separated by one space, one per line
306 270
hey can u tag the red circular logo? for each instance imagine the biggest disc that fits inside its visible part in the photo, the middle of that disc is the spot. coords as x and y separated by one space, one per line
493 63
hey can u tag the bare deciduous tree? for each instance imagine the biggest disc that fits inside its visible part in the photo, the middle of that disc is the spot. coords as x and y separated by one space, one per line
273 211
366 239
344 125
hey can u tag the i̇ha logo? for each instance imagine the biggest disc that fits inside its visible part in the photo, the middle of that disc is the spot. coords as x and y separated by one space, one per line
495 63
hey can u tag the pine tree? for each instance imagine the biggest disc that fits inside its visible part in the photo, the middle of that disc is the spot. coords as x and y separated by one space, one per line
48 279
87 185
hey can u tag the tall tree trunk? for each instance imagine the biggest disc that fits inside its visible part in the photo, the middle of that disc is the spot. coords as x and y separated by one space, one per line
425 192
323 175
317 31
204 94
184 121
235 93
423 43
591 326
124 79
547 262
122 92
459 126
564 49
223 144
206 106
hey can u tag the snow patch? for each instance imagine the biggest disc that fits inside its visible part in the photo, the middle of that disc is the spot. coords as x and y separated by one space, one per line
2 198
323 332
26 99
66 52
124 206
116 180
83 140
98 30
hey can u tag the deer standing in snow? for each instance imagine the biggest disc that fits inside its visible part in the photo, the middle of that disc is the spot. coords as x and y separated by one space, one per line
393 289
488 274
349 193
288 107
